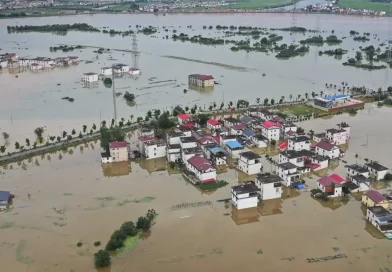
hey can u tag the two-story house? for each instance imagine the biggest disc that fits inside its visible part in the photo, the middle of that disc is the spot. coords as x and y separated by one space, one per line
270 130
202 168
230 121
377 171
355 169
327 149
299 143
249 162
288 172
270 185
337 136
380 218
244 196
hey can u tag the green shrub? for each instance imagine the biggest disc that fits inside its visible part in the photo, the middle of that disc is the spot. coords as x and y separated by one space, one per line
102 258
79 244
129 228
97 243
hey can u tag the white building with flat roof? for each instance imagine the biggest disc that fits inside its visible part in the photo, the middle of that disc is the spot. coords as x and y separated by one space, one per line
244 196
270 185
106 71
90 77
299 143
249 163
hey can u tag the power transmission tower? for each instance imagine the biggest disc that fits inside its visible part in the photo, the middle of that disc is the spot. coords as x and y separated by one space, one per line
135 52
389 49
114 97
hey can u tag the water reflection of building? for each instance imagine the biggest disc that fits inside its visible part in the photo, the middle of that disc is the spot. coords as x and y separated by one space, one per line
244 216
201 89
270 207
116 169
333 203
90 85
153 165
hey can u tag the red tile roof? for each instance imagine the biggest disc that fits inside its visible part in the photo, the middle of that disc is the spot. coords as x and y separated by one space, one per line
313 165
217 139
189 124
118 144
337 178
325 145
183 116
205 139
326 181
146 138
208 180
200 163
239 126
205 77
270 124
283 145
376 196
213 122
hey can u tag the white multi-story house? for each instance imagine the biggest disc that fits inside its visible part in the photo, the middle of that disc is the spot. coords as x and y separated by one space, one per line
377 171
337 136
244 196
319 162
270 185
288 172
362 182
213 124
299 143
270 130
173 152
327 149
237 129
265 114
184 129
155 149
329 186
106 71
118 151
202 168
3 63
355 169
188 153
234 148
134 71
120 68
288 126
90 77
380 218
229 122
318 137
173 137
249 162
217 155
188 142
259 140
295 157
183 118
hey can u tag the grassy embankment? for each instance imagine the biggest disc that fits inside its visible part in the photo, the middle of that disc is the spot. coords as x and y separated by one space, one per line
257 4
365 4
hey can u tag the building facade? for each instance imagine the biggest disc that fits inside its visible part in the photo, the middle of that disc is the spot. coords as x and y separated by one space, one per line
244 196
201 80
270 186
249 163
90 77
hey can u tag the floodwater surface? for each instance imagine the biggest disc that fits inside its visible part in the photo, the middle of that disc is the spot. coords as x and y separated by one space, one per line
72 199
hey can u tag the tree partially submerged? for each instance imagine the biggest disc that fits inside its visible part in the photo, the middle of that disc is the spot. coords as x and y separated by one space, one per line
110 135
102 258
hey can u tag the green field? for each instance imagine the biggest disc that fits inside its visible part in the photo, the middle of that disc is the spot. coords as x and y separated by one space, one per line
365 4
254 4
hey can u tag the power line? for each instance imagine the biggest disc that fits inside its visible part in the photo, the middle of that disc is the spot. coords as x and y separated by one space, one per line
135 52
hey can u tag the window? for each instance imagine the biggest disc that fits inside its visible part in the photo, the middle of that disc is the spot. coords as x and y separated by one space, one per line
277 189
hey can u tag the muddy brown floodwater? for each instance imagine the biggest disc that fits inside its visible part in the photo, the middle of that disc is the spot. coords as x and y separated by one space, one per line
74 199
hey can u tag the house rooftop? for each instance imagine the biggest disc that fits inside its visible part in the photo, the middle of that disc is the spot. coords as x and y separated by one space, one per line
234 144
376 166
192 150
90 74
361 179
287 166
299 139
325 145
205 139
200 133
260 137
248 132
146 138
174 146
189 139
379 211
335 131
245 188
200 163
4 195
375 196
266 178
246 119
357 168
326 181
184 128
183 116
320 135
217 149
250 155
175 134
119 144
292 154
271 124
239 126
319 158
158 142
213 122
232 120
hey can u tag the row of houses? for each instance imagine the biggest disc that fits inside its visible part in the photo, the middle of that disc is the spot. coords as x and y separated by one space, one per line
117 69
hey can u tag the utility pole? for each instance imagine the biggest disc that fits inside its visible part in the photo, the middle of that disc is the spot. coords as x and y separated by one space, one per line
114 97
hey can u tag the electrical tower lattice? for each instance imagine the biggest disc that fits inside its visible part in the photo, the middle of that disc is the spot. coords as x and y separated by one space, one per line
135 52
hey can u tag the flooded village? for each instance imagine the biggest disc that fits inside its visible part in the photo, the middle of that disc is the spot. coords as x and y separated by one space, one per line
300 183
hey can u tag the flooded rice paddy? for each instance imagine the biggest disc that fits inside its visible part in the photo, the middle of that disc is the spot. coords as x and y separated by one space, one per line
72 198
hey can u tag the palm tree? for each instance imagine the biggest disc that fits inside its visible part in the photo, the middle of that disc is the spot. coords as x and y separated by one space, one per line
356 158
306 95
39 131
58 138
321 93
64 134
299 96
258 100
27 142
266 101
17 145
272 101
73 132
84 128
291 97
313 94
94 127
6 136
131 116
2 149
282 98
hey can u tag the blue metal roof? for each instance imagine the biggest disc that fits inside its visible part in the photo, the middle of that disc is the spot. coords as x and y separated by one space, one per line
233 144
339 96
4 195
217 149
249 132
